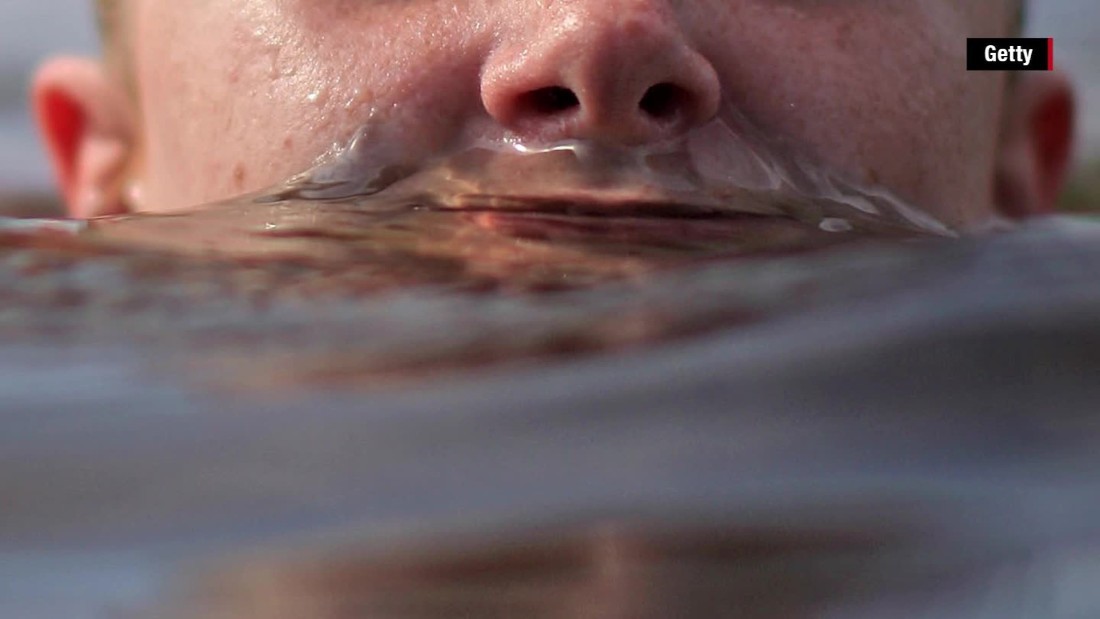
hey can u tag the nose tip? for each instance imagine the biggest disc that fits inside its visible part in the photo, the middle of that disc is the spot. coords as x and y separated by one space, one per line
625 79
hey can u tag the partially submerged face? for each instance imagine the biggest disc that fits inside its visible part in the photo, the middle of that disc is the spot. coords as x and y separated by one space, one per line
230 96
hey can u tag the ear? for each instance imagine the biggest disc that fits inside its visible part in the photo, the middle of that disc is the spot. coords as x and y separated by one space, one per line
83 117
1037 144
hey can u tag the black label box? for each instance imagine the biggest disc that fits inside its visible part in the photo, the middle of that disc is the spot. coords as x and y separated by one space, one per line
1011 54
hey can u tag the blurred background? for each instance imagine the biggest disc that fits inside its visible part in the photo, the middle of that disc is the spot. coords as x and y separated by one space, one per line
33 29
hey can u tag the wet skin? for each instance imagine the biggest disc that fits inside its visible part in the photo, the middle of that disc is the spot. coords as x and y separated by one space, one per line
871 90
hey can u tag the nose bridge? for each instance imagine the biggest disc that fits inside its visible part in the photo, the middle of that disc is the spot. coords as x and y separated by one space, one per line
619 69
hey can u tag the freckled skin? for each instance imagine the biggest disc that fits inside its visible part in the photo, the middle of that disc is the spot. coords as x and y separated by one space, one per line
872 89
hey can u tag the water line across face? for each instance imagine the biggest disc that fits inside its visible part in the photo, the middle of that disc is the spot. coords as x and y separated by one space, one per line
575 210
724 168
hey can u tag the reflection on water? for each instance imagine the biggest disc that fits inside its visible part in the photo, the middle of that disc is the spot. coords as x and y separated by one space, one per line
601 571
385 303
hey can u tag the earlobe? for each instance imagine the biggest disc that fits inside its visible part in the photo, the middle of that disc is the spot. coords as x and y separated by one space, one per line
84 120
1037 144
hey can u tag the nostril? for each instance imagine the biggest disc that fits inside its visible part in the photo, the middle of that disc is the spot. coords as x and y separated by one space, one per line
551 100
548 101
663 101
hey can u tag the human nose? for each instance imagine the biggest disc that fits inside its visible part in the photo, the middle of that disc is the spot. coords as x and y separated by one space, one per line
620 71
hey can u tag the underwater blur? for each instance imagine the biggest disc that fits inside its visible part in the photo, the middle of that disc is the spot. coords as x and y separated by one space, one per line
704 379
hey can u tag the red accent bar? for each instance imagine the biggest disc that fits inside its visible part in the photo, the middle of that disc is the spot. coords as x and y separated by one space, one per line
1050 54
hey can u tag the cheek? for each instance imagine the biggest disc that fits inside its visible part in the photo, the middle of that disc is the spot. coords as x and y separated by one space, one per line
877 92
223 111
242 102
